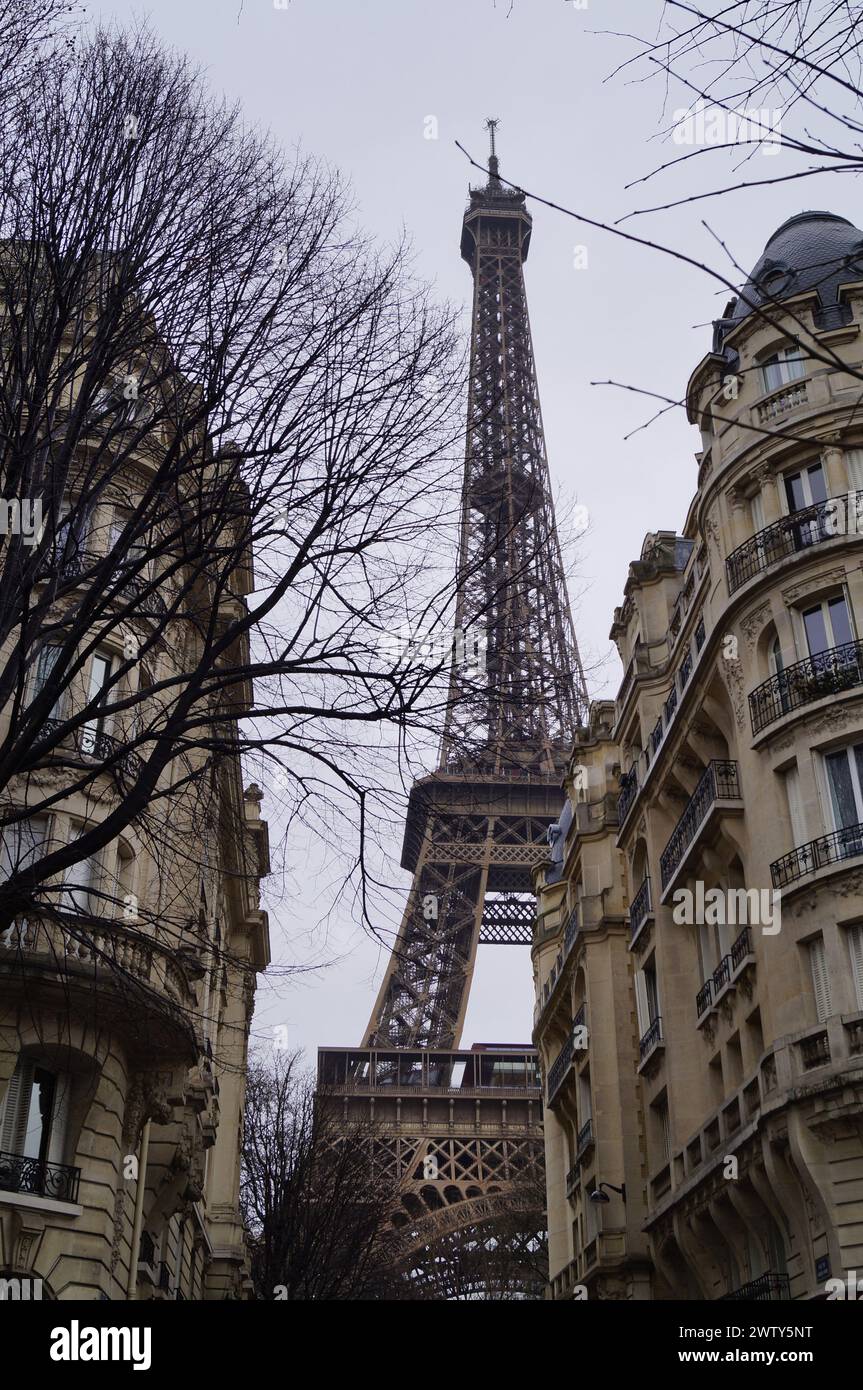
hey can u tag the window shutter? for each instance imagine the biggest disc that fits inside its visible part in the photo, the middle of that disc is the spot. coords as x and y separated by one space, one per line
854 461
641 1003
16 1103
855 946
795 809
820 978
757 508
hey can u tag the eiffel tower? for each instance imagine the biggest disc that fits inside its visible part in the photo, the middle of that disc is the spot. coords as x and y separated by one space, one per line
459 1132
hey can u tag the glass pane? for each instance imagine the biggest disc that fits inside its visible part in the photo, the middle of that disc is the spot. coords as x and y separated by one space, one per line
816 630
38 1126
858 758
817 485
794 492
795 365
840 621
841 789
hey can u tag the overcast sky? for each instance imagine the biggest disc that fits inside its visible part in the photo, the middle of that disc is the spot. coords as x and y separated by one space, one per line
355 83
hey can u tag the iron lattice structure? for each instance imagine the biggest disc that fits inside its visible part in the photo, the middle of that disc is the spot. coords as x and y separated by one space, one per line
478 824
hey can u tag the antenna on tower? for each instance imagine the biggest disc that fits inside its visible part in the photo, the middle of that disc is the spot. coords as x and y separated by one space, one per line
491 126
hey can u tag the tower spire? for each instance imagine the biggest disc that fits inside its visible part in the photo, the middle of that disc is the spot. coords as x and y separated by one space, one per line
491 126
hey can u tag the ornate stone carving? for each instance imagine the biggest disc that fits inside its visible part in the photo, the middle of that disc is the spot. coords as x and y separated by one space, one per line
732 675
754 622
813 583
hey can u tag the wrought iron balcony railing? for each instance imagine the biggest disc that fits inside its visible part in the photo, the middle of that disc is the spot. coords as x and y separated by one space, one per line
740 949
722 975
628 793
827 673
767 1287
570 932
558 1069
652 1037
788 536
135 588
817 854
639 909
95 746
38 1178
656 736
719 782
704 998
584 1140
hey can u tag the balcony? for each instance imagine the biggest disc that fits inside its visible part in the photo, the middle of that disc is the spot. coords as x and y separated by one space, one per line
640 910
93 746
741 953
120 973
817 854
36 1178
766 1288
651 1041
628 793
704 1001
584 1141
721 978
814 1051
558 1070
718 783
788 536
135 589
828 673
779 403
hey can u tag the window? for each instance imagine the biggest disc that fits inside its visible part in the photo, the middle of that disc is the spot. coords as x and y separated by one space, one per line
855 950
43 672
791 778
806 488
820 978
21 845
845 784
646 997
827 625
100 676
756 507
79 884
33 1113
663 1129
71 535
133 552
782 367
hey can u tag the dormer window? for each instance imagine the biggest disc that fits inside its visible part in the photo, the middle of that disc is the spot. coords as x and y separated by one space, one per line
783 367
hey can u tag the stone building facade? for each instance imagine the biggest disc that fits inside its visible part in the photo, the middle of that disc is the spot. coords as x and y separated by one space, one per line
124 1015
709 919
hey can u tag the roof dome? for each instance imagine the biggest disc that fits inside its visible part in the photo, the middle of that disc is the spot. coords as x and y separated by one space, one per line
811 251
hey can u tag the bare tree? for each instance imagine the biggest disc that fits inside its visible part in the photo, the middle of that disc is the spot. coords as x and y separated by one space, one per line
792 69
239 420
316 1213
